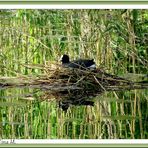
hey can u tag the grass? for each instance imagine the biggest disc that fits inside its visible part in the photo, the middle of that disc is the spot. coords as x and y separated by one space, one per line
116 39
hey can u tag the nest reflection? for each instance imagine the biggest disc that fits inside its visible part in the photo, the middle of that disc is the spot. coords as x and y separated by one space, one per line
77 86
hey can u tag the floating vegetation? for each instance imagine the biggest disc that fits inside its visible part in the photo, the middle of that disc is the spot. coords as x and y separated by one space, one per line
74 86
77 86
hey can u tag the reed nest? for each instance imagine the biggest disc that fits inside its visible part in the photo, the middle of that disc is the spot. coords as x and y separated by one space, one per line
77 86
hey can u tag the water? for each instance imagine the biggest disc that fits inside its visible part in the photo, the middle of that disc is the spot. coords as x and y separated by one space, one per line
26 113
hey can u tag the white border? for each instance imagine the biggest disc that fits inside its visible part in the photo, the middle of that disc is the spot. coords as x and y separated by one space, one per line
74 141
74 6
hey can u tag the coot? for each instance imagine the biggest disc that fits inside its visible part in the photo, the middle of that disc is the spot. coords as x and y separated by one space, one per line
80 63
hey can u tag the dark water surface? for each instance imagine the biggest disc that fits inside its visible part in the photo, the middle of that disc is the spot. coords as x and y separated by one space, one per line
29 113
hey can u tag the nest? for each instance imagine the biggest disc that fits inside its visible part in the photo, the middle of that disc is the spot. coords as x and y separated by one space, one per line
75 86
78 86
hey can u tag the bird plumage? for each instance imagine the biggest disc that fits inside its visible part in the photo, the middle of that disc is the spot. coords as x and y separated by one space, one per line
80 63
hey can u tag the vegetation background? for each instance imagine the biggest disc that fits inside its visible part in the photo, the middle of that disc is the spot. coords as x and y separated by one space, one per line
118 42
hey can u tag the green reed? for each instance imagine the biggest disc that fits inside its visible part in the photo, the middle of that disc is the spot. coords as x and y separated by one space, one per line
116 39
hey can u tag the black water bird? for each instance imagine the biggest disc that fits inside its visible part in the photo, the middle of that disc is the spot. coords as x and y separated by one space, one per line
80 63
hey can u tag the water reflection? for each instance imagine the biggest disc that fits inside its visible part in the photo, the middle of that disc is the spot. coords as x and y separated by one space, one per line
27 114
